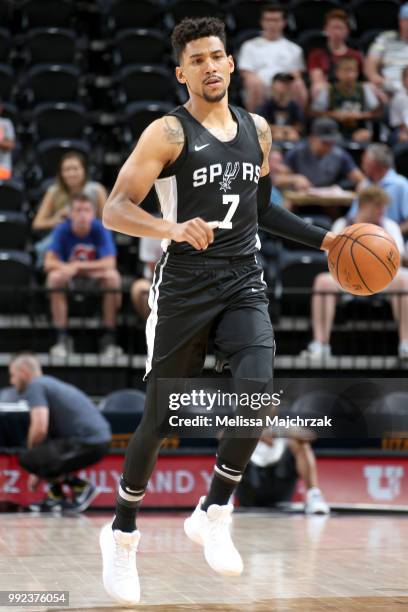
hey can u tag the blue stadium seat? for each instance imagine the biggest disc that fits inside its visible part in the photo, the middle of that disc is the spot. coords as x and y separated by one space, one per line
125 400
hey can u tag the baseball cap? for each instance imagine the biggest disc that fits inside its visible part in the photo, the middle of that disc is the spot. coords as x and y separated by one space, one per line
326 129
403 12
283 76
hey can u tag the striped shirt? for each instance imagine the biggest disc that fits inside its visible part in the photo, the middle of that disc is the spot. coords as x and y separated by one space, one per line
393 54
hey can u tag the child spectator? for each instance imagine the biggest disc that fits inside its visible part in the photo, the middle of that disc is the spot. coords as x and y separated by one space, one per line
281 111
349 101
321 62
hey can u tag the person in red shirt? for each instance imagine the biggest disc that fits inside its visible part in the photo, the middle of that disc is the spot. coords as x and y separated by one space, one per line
321 62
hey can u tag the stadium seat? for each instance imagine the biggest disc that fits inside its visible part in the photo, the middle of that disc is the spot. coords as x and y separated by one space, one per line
370 15
297 271
140 114
52 83
15 278
123 14
38 42
49 153
147 82
140 46
11 196
311 39
5 44
366 38
59 120
245 14
13 230
242 37
178 9
7 79
125 400
401 158
309 14
10 111
46 13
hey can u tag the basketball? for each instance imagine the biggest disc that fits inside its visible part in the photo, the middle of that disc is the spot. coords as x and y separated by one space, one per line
363 259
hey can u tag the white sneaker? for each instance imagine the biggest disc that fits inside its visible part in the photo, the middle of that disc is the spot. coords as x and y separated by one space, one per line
403 350
62 349
316 351
111 351
211 529
315 502
120 577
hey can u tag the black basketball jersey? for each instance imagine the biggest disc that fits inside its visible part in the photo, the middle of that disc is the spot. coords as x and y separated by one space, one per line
216 181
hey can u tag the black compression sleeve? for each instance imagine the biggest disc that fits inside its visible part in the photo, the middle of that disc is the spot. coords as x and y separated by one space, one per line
281 222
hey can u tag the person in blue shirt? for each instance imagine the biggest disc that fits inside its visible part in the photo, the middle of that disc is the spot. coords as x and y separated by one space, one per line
81 248
377 164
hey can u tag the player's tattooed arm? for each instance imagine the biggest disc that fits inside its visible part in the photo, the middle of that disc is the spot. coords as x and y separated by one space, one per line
173 130
265 140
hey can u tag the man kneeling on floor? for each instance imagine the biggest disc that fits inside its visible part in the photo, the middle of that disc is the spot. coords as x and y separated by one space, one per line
66 433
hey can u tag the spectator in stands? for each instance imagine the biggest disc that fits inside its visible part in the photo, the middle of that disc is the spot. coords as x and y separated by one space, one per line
399 111
149 252
377 164
81 248
273 471
320 160
349 101
388 55
322 61
282 111
283 178
67 433
262 57
72 178
372 205
7 143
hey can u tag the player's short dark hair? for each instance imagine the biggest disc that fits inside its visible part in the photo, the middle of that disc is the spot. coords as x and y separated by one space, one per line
272 7
194 28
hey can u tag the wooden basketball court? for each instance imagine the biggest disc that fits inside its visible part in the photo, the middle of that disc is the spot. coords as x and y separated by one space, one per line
292 563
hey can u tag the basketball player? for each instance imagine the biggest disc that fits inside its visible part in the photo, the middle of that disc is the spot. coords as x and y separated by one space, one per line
209 164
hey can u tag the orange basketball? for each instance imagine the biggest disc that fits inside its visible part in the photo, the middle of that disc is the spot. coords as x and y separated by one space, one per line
363 259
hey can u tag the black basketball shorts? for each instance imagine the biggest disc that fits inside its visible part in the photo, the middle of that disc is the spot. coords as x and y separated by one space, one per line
193 297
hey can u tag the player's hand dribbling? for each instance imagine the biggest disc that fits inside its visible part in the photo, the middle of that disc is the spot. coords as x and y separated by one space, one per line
196 232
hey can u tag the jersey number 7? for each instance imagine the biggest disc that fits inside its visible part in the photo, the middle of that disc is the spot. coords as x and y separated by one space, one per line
233 200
